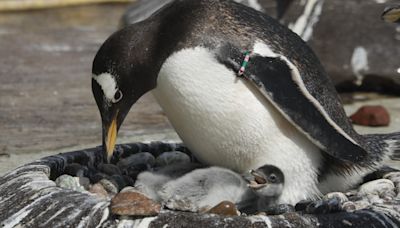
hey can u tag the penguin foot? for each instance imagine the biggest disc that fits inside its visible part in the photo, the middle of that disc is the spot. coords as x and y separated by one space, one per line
279 209
322 206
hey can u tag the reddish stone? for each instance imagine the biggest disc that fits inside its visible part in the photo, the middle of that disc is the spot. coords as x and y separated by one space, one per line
99 190
134 204
371 116
225 208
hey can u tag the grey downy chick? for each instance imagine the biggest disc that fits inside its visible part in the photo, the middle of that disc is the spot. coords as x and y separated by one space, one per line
150 182
202 189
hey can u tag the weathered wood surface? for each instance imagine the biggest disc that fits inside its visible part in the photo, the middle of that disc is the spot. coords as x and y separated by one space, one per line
29 197
46 102
16 5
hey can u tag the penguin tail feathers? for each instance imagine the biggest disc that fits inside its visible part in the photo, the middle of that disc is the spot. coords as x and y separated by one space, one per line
387 144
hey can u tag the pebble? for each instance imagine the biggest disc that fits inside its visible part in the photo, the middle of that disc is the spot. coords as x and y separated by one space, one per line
376 187
362 204
99 191
69 182
373 198
76 170
371 116
133 172
84 182
226 208
279 209
128 180
109 169
302 205
338 195
129 189
349 206
393 176
139 160
119 180
174 157
97 177
351 194
109 186
134 204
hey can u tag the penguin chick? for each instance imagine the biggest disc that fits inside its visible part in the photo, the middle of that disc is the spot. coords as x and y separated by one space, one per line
202 189
267 183
149 182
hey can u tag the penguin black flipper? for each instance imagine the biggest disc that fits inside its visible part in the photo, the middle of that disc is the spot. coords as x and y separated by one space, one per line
270 75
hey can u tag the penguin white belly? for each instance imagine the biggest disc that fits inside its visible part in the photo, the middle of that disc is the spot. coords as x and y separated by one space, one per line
226 122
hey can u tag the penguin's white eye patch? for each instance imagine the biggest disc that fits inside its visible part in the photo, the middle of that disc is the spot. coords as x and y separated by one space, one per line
108 84
117 96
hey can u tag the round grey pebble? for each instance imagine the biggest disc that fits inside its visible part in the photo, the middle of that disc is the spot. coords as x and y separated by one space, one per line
361 204
174 157
109 186
373 198
137 160
392 176
349 206
84 182
109 169
97 177
129 189
338 195
119 179
69 182
128 180
376 187
75 169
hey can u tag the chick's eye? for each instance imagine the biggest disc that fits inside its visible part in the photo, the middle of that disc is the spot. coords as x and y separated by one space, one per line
117 96
272 178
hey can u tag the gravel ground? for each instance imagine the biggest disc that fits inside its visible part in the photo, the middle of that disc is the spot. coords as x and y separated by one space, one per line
46 105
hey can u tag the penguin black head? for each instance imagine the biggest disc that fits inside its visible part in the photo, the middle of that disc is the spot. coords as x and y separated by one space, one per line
122 73
266 181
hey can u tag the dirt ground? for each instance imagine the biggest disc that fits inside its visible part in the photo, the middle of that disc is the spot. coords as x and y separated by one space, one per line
46 104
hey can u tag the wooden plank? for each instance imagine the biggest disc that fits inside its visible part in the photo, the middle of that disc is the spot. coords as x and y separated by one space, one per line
17 5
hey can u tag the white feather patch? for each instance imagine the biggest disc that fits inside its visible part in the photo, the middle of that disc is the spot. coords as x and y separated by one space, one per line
107 83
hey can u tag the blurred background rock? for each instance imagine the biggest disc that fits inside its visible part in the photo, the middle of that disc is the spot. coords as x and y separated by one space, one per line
47 48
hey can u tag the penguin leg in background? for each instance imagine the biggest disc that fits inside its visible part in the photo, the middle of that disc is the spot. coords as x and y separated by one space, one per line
391 14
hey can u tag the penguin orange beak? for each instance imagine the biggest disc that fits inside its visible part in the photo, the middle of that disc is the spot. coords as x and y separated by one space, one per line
110 137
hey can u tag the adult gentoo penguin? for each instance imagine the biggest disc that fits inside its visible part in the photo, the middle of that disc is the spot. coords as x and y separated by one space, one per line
281 109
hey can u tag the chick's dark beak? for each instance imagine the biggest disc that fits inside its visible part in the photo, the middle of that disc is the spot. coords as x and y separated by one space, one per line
256 180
